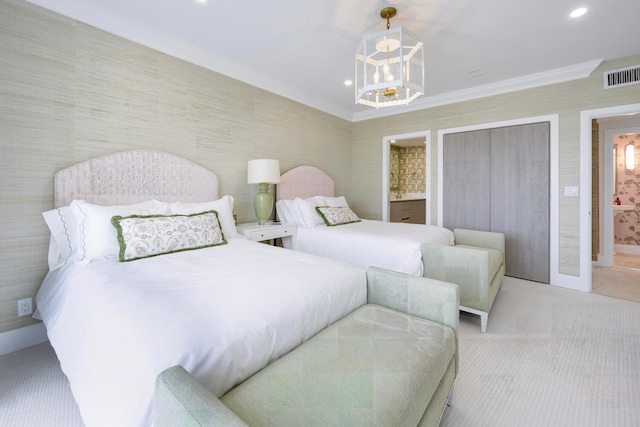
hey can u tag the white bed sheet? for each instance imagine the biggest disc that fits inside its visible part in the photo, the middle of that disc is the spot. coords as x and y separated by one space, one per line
223 313
390 245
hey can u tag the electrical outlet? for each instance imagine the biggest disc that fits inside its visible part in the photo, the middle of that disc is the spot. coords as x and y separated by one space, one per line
24 307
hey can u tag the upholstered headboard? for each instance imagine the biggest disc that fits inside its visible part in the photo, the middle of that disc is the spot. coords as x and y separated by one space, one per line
303 182
135 176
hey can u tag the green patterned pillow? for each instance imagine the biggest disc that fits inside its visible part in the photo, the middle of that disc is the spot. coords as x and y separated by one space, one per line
143 236
337 215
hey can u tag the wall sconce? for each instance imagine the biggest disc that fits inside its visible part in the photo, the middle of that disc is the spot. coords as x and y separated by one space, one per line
630 158
263 172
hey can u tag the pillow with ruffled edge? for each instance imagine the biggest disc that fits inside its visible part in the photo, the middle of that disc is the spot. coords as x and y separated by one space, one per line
63 245
224 207
96 237
333 216
144 236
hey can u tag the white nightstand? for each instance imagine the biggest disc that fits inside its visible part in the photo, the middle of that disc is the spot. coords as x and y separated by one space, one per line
261 232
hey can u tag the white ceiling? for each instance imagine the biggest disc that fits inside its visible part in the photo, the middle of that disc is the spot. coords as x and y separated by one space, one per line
304 49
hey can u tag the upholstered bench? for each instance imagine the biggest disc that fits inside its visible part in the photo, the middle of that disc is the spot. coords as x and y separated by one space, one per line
391 362
476 263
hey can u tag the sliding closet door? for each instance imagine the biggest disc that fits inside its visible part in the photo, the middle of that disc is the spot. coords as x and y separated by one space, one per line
498 180
520 197
467 180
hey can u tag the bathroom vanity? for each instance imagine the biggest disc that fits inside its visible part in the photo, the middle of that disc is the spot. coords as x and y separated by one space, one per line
411 209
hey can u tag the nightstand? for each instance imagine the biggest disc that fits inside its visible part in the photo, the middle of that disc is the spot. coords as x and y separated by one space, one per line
261 232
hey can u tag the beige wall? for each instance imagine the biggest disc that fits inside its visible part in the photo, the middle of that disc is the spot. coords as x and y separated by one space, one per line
70 92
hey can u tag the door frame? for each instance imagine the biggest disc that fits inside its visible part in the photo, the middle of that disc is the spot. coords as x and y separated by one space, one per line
555 278
386 144
586 116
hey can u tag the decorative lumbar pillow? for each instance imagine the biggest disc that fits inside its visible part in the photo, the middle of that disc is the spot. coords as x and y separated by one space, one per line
146 236
337 215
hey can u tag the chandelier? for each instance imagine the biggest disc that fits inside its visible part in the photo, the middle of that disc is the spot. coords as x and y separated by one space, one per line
389 66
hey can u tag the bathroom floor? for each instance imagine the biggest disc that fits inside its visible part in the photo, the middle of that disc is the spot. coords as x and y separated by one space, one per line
626 261
620 281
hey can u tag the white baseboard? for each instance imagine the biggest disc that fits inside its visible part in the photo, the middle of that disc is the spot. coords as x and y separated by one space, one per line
22 338
627 249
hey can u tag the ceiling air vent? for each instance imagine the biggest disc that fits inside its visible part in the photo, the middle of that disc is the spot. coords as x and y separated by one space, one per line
622 77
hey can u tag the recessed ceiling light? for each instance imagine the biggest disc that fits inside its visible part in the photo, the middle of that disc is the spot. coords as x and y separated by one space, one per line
578 12
201 1
348 82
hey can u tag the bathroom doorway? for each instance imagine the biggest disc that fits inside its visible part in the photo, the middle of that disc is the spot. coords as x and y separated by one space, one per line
613 275
619 226
405 181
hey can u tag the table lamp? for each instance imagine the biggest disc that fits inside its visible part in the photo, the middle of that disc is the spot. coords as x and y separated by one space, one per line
263 172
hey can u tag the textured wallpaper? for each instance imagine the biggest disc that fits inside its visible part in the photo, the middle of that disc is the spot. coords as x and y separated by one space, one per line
413 174
626 225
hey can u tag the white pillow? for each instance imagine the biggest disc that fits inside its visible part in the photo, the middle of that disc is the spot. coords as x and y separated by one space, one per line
97 238
336 202
63 244
306 210
285 210
224 207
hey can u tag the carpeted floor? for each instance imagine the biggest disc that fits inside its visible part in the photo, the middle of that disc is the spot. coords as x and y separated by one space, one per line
550 357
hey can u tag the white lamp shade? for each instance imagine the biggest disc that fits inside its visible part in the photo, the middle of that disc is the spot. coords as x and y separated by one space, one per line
263 170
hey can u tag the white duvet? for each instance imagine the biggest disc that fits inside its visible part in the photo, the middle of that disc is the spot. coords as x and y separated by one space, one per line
223 313
390 245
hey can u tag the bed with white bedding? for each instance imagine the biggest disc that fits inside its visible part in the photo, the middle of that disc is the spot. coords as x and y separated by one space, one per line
223 310
395 246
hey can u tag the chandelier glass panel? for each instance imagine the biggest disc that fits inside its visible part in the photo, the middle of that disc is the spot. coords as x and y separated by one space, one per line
389 67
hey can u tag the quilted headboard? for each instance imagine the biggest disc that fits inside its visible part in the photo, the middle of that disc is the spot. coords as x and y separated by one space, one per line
135 176
303 182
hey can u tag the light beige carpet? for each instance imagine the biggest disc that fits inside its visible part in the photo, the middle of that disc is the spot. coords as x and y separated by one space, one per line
550 357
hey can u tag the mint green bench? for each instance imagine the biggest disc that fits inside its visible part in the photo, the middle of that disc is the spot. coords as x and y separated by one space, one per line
391 362
476 263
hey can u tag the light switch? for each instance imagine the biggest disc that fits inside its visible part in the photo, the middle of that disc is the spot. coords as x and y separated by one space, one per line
571 191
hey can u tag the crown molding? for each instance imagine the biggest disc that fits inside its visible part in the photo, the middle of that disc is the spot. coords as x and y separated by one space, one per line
545 78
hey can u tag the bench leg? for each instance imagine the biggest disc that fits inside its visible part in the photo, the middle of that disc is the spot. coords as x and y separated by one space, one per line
484 316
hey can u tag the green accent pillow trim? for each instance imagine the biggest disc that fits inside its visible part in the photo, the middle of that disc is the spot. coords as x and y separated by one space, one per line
334 216
115 221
